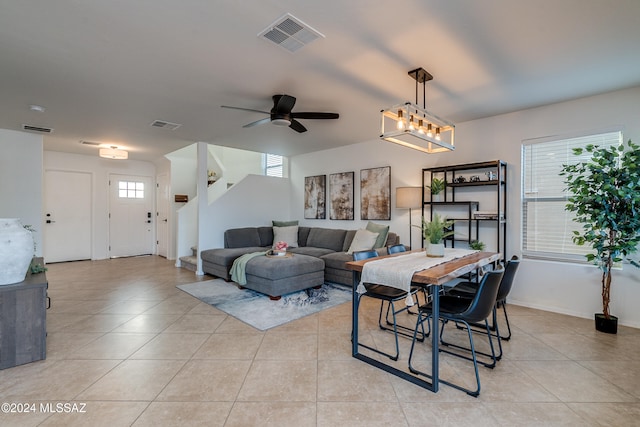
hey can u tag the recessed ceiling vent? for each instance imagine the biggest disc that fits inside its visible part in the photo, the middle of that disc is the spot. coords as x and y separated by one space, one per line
38 129
290 33
93 144
165 125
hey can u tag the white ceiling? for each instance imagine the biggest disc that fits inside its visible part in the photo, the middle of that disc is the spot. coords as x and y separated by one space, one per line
104 70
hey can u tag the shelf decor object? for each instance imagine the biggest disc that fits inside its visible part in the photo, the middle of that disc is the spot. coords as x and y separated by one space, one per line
413 126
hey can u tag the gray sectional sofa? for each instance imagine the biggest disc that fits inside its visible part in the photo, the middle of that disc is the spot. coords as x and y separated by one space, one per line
314 243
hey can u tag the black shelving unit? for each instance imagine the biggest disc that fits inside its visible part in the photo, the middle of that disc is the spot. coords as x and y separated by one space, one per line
469 188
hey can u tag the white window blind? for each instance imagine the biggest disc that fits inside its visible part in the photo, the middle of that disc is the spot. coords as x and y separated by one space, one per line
273 165
547 228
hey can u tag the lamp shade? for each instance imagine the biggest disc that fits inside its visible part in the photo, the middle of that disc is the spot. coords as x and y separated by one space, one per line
408 197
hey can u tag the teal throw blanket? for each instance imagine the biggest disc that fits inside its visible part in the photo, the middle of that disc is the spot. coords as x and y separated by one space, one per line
238 269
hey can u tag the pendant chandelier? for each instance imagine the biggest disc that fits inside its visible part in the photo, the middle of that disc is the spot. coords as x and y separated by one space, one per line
413 126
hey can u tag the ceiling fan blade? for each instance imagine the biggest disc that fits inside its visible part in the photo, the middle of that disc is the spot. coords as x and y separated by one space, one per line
244 109
297 126
257 122
283 104
315 115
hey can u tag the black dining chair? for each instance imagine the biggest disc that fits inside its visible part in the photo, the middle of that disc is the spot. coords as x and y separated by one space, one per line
468 289
396 249
465 311
390 295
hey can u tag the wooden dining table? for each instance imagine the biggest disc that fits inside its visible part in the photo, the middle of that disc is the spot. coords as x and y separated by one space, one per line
433 278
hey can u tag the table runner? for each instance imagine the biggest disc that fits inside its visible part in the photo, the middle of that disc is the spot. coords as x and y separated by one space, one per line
398 271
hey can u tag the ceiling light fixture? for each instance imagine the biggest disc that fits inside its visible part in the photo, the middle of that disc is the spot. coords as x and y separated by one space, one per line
114 153
37 108
431 134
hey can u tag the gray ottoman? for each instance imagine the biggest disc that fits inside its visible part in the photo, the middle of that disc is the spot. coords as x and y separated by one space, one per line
276 276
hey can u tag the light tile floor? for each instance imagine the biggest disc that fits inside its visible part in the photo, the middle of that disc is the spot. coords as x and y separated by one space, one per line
130 349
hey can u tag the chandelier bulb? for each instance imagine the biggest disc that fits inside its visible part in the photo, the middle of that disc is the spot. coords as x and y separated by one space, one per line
438 134
411 123
429 130
400 123
420 127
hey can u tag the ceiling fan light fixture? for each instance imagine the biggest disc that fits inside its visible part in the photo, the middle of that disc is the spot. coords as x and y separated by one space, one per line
281 122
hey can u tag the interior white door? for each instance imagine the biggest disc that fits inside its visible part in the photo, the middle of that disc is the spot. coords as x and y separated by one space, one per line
162 215
131 218
67 208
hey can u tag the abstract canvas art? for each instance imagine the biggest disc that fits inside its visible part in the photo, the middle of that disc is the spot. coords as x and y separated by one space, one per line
315 190
341 195
375 193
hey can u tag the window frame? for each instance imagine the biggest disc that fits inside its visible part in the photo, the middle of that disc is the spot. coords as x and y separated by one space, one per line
570 252
268 165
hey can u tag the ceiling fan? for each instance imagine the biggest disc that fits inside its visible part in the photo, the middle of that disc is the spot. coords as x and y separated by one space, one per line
281 114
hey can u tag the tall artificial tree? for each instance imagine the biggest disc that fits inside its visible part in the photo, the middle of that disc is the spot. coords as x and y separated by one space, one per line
604 193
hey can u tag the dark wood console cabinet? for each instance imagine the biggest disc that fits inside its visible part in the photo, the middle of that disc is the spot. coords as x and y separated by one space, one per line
23 321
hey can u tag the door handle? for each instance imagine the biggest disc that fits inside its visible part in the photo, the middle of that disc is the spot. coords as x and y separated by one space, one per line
164 220
50 222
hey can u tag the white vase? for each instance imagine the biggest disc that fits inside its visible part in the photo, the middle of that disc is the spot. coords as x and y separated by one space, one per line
435 250
16 251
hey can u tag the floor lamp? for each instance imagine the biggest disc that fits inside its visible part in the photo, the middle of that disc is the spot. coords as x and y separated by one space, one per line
409 198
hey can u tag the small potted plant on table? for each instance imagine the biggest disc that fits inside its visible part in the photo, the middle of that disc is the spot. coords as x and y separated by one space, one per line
434 232
604 192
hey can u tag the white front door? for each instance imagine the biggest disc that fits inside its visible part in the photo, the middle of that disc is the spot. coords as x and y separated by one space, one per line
162 215
67 223
131 215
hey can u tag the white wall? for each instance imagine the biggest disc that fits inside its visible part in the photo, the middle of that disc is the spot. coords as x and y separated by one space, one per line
559 287
21 180
100 169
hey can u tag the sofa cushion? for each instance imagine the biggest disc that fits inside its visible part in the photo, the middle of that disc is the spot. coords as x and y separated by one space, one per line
363 241
326 238
382 231
289 235
336 260
241 237
266 236
303 235
311 251
227 256
348 239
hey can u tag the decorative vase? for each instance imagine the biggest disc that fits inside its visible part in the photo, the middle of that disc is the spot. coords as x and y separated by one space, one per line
608 326
16 251
435 250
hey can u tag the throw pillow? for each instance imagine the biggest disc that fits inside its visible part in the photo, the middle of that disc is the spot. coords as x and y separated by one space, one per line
382 230
284 223
362 241
286 234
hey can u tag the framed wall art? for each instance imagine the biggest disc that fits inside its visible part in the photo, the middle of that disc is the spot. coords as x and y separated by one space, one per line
375 193
341 195
315 190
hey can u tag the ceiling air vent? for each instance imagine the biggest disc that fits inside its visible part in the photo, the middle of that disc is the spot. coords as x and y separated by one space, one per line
93 144
165 125
38 129
290 33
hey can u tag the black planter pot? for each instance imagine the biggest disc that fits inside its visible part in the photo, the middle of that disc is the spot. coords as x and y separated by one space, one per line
608 326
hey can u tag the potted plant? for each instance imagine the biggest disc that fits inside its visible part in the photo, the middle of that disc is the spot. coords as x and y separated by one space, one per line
477 245
604 192
436 187
434 232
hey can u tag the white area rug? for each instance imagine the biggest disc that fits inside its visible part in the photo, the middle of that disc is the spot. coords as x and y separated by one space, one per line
258 310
